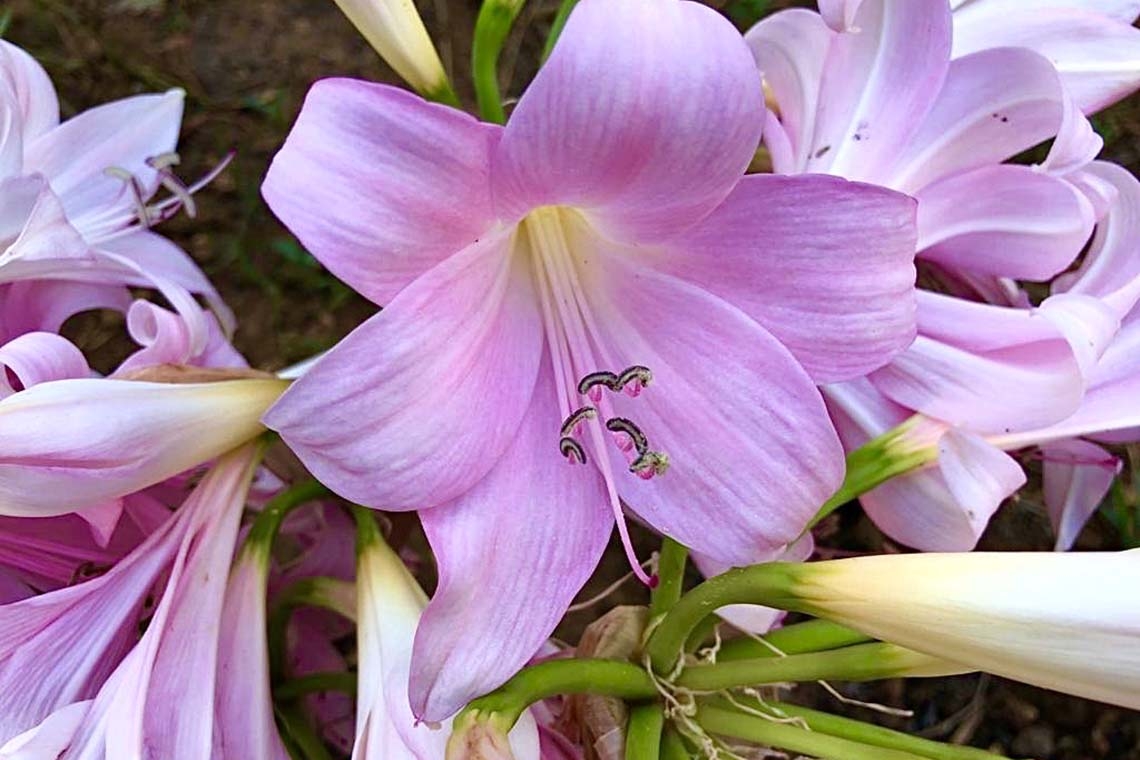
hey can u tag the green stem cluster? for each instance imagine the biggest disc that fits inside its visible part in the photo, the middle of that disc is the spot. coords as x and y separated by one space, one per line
496 17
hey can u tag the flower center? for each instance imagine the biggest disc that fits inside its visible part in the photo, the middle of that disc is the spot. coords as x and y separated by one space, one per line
585 371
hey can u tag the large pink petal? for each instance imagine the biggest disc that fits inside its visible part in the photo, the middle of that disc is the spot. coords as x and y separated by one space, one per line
381 185
122 134
417 404
1097 56
512 553
790 48
35 96
752 452
992 106
1076 476
986 368
878 84
645 115
825 265
1006 221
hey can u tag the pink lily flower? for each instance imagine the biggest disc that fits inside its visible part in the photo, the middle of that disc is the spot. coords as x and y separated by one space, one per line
886 100
76 199
595 283
945 507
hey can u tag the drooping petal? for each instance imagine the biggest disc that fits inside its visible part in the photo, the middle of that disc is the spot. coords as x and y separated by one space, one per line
790 48
44 305
39 357
57 648
148 705
1110 269
49 739
649 136
244 706
1097 56
72 444
1076 476
159 260
417 404
878 84
823 264
752 452
512 554
946 508
122 134
992 106
986 368
1006 221
37 103
943 507
381 185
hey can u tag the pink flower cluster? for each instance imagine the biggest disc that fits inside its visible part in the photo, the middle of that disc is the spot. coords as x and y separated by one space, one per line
597 312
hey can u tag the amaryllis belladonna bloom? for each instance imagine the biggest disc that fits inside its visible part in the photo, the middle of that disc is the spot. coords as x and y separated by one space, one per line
588 308
78 204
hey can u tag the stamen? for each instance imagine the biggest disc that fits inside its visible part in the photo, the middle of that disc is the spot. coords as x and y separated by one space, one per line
635 436
577 416
633 379
572 450
591 384
168 179
132 184
649 464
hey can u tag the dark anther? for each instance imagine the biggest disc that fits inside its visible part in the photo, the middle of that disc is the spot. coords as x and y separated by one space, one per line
637 372
571 422
622 425
650 463
608 379
572 450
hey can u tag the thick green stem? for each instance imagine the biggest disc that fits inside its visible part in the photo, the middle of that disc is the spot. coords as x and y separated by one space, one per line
759 584
556 26
895 452
268 521
643 732
790 737
613 678
314 683
491 29
673 746
865 733
300 737
810 636
670 577
863 662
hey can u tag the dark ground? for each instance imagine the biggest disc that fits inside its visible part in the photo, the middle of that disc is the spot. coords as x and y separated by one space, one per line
246 64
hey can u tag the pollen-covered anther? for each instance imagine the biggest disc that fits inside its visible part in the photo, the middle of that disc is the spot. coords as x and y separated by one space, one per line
591 385
570 424
649 464
631 437
633 379
572 450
